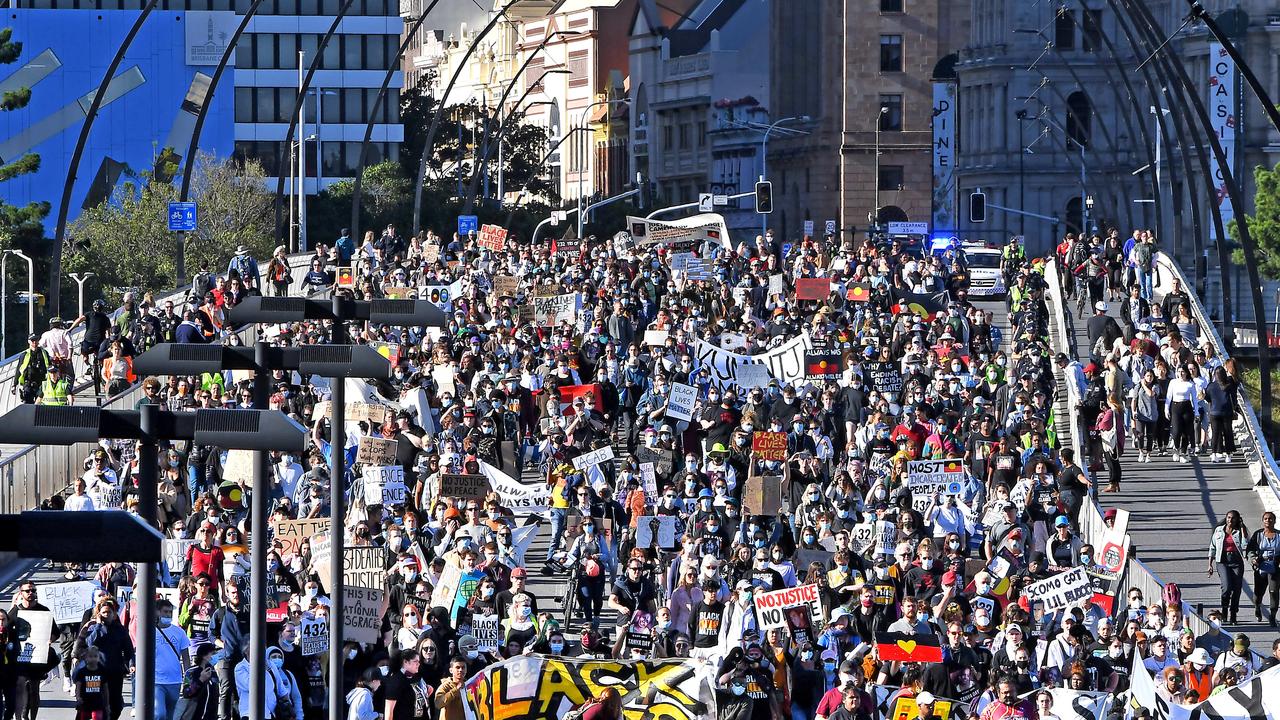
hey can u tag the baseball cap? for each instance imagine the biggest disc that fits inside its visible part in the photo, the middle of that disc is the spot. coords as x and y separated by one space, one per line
1062 521
925 698
1061 358
519 573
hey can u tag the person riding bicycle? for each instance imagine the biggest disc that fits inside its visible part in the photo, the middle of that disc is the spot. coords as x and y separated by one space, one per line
96 326
33 367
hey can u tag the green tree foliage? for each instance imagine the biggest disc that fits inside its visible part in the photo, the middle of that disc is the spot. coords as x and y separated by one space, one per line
1264 223
18 225
386 197
126 240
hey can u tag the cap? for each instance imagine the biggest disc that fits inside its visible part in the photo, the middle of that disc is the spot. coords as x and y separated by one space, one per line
454 513
1008 506
949 578
1199 656
706 493
519 573
1062 521
468 642
743 584
1061 359
925 698
1090 368
1100 306
1242 639
33 337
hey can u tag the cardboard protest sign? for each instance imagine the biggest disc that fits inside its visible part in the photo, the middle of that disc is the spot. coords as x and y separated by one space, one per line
769 445
593 458
663 460
777 284
67 600
431 253
384 485
571 248
681 401
362 614
315 635
397 292
553 310
1061 591
175 555
813 288
505 285
35 634
927 478
238 467
656 338
488 631
772 606
291 533
493 237
470 487
661 528
366 412
376 451
763 494
363 567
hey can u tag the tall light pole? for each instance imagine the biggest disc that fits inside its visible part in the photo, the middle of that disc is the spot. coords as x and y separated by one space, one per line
1021 115
81 279
1159 158
582 156
875 213
764 158
4 296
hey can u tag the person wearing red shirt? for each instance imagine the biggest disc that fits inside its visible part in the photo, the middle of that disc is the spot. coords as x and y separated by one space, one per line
205 557
1006 706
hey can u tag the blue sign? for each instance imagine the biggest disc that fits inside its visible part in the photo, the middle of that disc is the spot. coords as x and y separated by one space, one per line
182 217
468 224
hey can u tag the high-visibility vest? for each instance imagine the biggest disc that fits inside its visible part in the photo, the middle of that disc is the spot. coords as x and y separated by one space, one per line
54 393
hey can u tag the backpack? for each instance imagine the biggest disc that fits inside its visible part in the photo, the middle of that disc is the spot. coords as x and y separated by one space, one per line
1172 595
1142 252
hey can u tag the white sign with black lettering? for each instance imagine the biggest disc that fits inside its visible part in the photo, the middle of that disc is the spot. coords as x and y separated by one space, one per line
315 635
593 458
680 404
384 485
487 630
1062 591
927 478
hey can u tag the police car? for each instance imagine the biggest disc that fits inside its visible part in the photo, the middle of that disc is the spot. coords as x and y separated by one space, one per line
985 278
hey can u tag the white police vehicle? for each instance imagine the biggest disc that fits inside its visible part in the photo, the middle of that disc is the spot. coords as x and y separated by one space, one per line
985 278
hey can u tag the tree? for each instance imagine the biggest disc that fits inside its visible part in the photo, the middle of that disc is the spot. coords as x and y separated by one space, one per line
18 225
386 197
126 240
1264 223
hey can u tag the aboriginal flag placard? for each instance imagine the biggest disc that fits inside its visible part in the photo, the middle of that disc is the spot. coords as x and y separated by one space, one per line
857 292
923 304
823 365
812 288
905 647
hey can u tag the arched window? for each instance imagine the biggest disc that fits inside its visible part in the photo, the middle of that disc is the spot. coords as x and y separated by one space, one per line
1075 216
892 213
1079 118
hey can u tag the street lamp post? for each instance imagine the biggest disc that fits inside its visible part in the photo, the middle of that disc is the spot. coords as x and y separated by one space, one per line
1088 213
582 156
81 279
875 213
4 296
764 158
1022 177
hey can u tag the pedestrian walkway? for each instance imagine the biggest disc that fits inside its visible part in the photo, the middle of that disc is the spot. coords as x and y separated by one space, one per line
1174 507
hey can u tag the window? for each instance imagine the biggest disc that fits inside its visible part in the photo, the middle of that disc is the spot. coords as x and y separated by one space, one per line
891 6
331 106
668 137
244 105
265 100
1091 31
890 53
287 57
1079 118
685 134
578 68
1064 30
700 136
891 120
891 177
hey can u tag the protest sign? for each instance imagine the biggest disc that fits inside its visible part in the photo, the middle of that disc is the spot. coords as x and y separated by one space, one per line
1082 705
439 295
593 458
493 237
67 600
291 533
661 528
906 708
769 445
468 583
655 338
812 288
505 285
571 248
823 365
238 467
384 485
517 496
649 481
321 554
771 607
487 630
363 567
861 536
431 253
366 412
886 377
681 401
467 486
389 350
362 614
592 393
785 362
752 375
1108 570
777 284
762 495
555 309
175 555
315 635
35 635
1061 591
926 478
376 451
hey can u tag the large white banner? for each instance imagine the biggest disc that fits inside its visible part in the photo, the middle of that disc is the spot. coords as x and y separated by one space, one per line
785 362
1223 102
1080 705
516 495
944 157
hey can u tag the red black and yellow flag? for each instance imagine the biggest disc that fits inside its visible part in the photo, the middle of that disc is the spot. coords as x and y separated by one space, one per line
953 466
346 277
823 365
925 305
905 647
857 292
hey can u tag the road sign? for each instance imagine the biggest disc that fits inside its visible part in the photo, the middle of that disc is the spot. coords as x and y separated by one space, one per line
555 219
706 202
831 227
467 224
908 228
720 200
182 217
808 227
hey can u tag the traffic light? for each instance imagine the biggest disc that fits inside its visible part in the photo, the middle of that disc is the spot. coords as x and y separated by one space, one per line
764 197
977 207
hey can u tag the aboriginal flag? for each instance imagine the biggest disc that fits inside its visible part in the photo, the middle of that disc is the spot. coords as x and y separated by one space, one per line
925 305
827 365
953 466
905 647
858 292
346 277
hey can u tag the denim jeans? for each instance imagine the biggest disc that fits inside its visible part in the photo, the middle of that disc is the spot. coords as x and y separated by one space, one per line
166 700
1145 278
559 517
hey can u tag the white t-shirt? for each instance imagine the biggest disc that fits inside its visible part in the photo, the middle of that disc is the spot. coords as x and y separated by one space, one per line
170 644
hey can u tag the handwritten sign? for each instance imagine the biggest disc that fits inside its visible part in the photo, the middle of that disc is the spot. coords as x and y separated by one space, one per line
505 286
366 412
656 338
555 309
68 601
763 494
362 614
291 533
680 404
362 567
593 458
384 485
493 237
431 253
927 478
769 445
376 451
1062 590
471 487
175 555
238 467
771 607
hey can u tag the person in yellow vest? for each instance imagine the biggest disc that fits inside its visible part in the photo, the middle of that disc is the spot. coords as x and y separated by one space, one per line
56 388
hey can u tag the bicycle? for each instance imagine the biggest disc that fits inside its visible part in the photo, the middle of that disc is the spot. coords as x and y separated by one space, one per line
556 565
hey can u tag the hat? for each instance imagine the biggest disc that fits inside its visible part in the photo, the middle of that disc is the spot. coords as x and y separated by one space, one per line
1013 628
1241 639
519 573
1100 306
925 698
743 584
1061 359
949 578
242 250
454 513
33 337
1199 656
1090 368
1062 521
468 642
1008 506
706 493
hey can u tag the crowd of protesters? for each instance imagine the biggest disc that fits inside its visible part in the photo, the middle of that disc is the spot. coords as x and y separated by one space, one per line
950 568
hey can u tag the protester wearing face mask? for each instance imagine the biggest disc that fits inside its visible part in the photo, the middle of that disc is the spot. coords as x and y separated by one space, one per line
282 688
